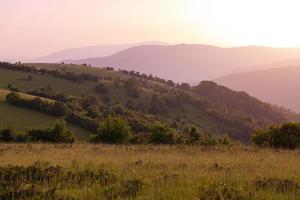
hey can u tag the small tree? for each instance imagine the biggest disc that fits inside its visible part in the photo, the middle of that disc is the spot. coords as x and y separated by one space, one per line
113 130
132 87
61 133
162 134
194 135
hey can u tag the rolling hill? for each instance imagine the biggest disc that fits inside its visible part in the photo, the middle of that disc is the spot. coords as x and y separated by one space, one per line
87 52
279 86
142 100
191 63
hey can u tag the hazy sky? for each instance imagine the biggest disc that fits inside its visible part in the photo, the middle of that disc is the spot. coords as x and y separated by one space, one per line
36 27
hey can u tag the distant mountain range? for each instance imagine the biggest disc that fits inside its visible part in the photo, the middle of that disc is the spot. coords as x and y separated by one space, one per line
279 86
87 52
191 63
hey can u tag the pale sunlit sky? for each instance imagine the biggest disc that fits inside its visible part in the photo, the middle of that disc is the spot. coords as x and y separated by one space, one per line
31 28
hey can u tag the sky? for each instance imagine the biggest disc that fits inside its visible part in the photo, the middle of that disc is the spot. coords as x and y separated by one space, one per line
30 28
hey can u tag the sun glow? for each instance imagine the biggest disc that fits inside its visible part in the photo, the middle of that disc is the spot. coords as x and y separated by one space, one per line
243 22
48 26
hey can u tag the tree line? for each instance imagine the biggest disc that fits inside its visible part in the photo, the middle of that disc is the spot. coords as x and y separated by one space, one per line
71 76
58 134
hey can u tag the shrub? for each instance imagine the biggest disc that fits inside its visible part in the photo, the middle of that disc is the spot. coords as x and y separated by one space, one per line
8 134
113 130
222 191
59 134
286 136
279 185
85 122
162 134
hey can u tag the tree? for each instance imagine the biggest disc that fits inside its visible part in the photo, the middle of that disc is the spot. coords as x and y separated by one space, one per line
101 88
170 83
286 136
113 130
61 133
161 134
194 135
132 87
59 109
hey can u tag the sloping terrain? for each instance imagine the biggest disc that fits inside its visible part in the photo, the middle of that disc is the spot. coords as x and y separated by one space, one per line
22 118
144 99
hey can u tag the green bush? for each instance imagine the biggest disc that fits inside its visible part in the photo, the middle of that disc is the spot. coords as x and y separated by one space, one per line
59 134
8 134
286 136
162 134
113 130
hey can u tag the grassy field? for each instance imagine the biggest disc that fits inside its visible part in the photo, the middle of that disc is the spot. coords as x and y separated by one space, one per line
166 172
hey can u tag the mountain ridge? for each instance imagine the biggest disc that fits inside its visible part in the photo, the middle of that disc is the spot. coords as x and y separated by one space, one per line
276 85
191 62
88 51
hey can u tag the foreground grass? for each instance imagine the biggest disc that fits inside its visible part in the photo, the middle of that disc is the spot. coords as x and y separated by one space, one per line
164 172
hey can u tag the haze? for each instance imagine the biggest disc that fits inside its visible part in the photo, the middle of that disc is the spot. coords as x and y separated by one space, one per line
37 27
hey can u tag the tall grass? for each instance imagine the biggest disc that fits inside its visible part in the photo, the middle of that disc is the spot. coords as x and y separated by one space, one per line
85 171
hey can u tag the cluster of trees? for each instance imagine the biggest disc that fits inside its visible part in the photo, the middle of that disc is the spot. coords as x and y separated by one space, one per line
170 83
132 87
239 101
72 110
50 94
58 134
285 136
55 108
85 122
116 130
236 112
80 77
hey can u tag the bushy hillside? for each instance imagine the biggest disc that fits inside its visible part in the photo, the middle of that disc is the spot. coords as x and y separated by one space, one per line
91 94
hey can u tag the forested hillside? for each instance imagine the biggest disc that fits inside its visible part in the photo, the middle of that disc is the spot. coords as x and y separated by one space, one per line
87 96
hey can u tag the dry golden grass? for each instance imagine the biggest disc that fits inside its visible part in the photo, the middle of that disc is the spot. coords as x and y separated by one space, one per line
169 172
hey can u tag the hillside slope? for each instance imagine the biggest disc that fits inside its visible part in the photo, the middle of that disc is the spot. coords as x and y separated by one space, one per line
144 99
191 63
277 85
22 118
